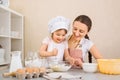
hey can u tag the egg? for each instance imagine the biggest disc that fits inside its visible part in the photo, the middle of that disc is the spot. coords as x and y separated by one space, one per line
21 71
29 70
42 69
36 69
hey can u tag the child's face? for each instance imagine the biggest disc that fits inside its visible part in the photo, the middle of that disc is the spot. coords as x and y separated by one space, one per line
59 35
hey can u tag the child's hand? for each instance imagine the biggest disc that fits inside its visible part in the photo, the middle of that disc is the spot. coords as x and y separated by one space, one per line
54 52
71 60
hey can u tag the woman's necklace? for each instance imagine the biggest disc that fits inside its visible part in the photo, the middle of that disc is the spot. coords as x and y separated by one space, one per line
73 43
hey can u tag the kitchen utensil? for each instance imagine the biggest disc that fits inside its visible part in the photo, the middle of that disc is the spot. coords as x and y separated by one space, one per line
59 65
15 61
90 67
109 66
64 76
9 74
50 78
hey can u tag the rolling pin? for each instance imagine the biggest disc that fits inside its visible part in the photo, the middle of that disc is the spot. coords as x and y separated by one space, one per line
9 74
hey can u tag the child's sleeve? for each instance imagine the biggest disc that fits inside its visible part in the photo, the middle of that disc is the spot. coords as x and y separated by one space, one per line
66 44
46 40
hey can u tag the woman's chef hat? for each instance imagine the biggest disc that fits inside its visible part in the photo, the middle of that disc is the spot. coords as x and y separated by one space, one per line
58 22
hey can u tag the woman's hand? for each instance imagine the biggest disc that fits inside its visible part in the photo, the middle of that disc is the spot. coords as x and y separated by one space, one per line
78 63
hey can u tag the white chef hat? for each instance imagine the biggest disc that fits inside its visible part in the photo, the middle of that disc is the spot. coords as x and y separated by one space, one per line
58 22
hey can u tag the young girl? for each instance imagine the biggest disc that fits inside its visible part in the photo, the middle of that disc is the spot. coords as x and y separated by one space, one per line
55 47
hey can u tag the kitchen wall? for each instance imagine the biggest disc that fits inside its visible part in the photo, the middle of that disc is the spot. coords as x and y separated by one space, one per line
104 14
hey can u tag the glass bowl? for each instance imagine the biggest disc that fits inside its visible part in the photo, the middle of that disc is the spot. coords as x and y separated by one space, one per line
59 65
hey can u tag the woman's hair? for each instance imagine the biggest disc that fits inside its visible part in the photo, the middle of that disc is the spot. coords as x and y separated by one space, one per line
87 21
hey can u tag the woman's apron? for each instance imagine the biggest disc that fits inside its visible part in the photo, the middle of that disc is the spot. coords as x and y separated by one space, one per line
76 53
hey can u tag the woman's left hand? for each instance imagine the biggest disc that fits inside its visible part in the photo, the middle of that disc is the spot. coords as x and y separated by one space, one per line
78 63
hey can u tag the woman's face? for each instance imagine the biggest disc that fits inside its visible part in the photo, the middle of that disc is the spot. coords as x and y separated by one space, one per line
79 30
59 35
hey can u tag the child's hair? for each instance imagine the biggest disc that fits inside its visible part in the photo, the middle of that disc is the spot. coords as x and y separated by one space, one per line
57 23
87 21
62 29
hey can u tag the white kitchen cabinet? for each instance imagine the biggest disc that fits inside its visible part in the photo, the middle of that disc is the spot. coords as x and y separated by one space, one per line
11 32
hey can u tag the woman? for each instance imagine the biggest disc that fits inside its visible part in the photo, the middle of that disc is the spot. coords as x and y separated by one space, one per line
79 43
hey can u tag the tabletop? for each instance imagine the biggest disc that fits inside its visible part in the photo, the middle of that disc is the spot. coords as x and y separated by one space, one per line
74 72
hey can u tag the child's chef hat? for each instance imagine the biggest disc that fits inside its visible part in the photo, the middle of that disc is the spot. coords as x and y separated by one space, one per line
58 22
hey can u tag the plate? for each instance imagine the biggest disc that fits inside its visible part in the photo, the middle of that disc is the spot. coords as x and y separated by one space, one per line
64 75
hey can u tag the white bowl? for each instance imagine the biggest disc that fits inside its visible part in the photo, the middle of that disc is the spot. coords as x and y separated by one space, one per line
90 67
59 65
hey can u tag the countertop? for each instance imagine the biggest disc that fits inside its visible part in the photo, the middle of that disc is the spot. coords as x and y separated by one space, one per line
74 72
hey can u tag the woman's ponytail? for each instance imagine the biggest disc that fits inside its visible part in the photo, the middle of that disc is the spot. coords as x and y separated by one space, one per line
89 54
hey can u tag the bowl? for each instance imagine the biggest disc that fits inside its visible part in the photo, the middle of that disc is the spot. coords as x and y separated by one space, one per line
90 67
59 65
109 66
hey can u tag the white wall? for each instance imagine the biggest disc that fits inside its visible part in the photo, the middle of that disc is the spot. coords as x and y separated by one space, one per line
104 14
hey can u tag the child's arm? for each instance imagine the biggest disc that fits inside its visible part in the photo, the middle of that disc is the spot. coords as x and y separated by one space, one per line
45 53
68 57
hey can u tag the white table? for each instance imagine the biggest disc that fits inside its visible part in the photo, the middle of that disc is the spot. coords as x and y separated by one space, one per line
76 72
